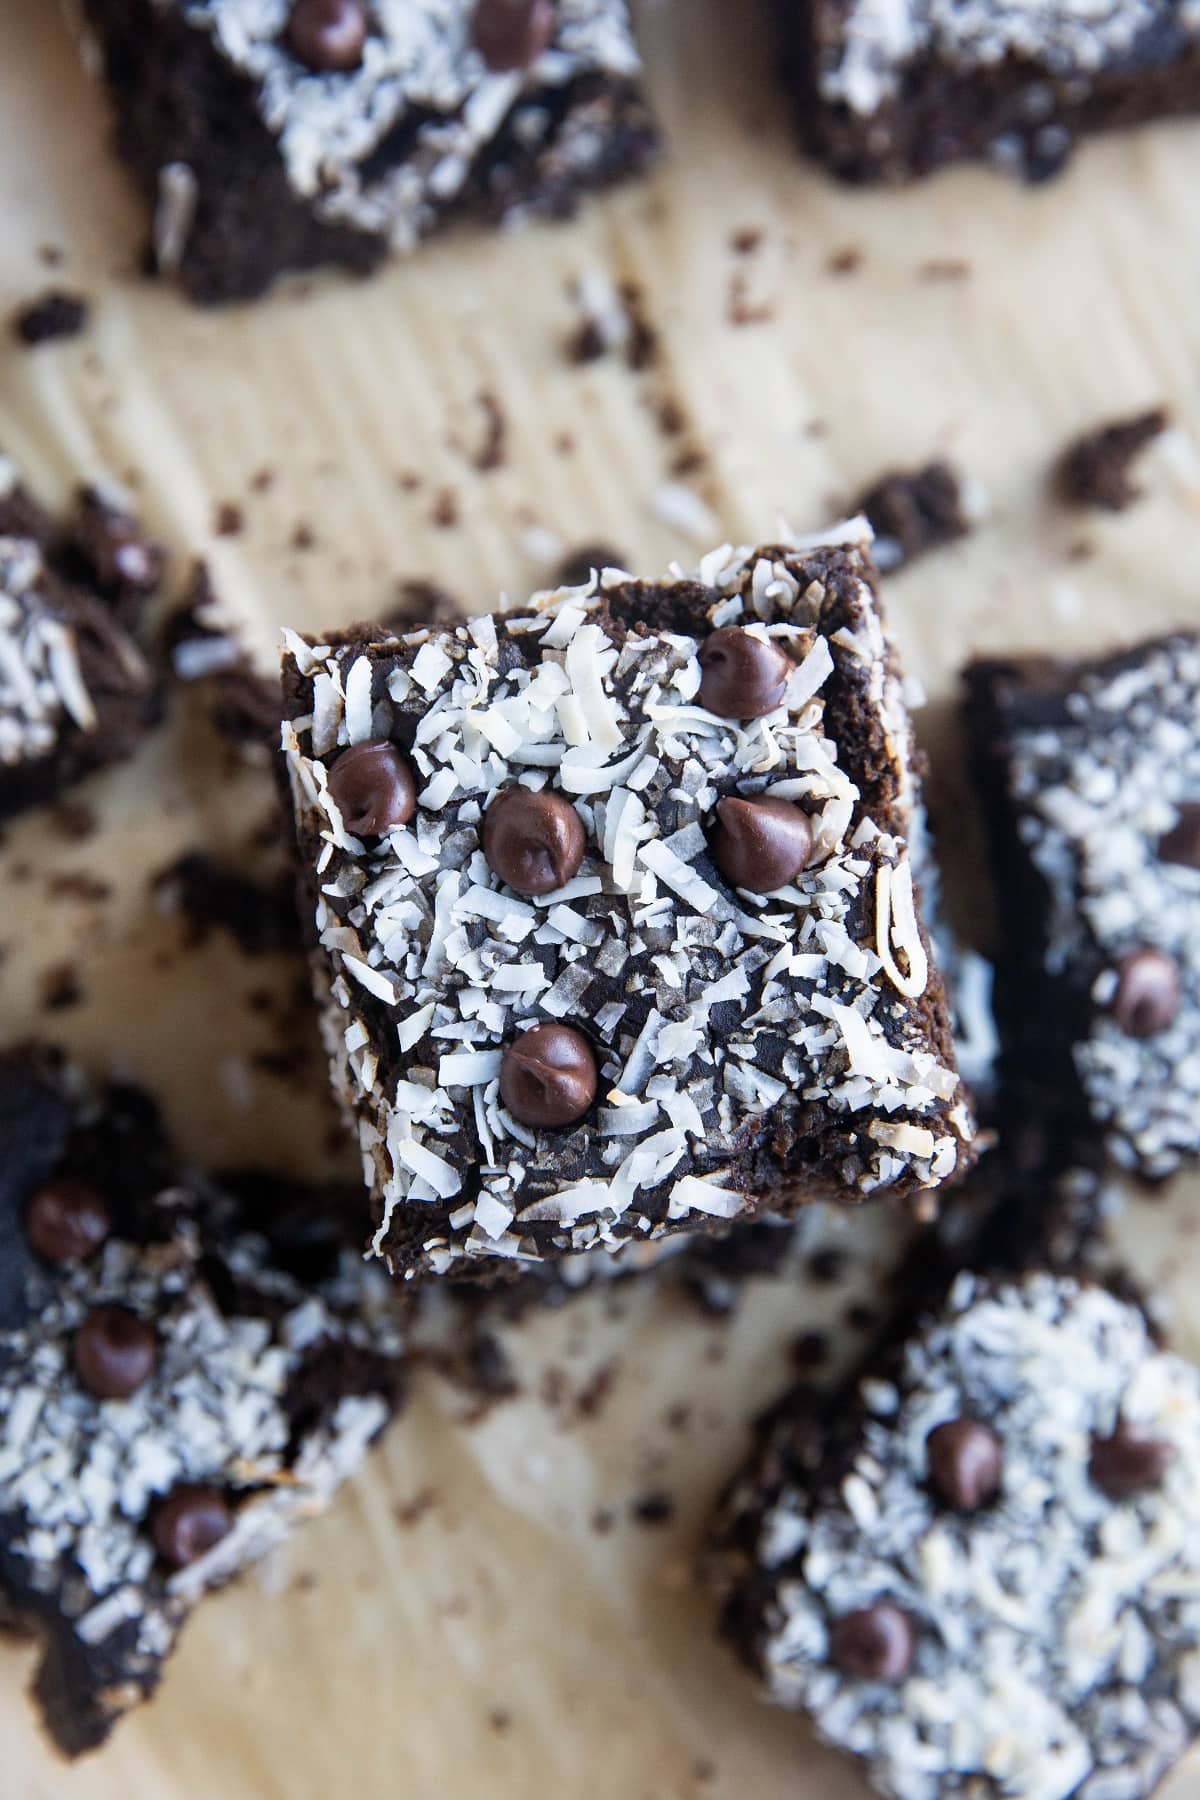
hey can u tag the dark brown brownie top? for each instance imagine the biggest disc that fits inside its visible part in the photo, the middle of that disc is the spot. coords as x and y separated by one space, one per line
751 1049
977 1571
174 1353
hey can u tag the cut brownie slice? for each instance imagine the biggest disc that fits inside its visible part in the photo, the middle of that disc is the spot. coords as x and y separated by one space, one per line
187 1370
617 928
888 93
1092 778
76 691
977 1571
281 134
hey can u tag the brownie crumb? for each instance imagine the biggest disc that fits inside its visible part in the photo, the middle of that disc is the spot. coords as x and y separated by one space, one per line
51 256
808 1350
228 519
74 821
669 415
423 602
653 1509
262 480
408 481
577 565
208 897
410 1512
944 268
746 240
445 509
828 1266
500 1721
492 451
740 309
303 536
61 988
55 314
76 884
845 262
1095 470
564 444
602 1521
614 319
914 511
596 1391
488 1369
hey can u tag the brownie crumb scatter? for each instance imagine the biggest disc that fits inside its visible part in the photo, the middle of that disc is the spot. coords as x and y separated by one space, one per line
740 309
228 519
1096 470
653 1509
61 988
492 452
846 262
209 896
578 566
746 240
410 1512
53 315
914 511
445 509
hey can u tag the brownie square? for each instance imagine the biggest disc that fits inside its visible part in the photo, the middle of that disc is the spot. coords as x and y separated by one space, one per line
76 691
1091 772
188 1369
976 1571
270 135
655 1044
891 93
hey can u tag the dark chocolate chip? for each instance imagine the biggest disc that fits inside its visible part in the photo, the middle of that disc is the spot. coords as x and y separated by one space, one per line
187 1524
760 844
68 1219
874 1644
373 788
743 676
114 1352
1129 1462
965 1463
533 842
1147 996
548 1076
1182 843
328 35
511 34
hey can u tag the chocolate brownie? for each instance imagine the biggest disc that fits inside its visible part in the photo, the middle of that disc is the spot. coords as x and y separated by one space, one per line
187 1370
270 135
887 93
1096 469
1091 772
76 691
617 927
976 1570
917 510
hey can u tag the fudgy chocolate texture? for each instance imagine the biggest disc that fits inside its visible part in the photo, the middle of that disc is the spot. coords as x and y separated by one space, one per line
1042 1553
895 92
76 691
277 1357
1091 774
1096 469
914 511
255 164
754 1052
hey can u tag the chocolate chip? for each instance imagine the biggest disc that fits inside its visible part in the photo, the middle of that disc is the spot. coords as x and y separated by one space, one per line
1147 996
191 1519
373 788
114 1352
511 34
1129 1462
965 1463
1182 843
67 1220
328 35
873 1644
743 676
533 842
760 844
548 1076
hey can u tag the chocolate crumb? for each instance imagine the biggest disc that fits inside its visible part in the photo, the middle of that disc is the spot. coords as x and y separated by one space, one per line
410 1512
577 566
944 268
61 988
228 519
408 481
740 309
845 262
746 240
500 1721
445 509
53 315
51 256
653 1509
423 602
828 1266
303 536
1095 470
209 896
564 444
808 1349
913 511
262 480
77 884
492 451
74 821
602 1521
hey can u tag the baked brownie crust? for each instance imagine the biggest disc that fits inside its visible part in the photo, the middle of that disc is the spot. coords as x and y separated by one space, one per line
255 164
753 1052
889 93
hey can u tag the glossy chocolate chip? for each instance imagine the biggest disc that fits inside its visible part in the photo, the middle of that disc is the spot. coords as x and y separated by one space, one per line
328 35
511 34
114 1352
373 788
760 844
1147 996
965 1463
1131 1461
187 1524
533 842
548 1076
68 1219
874 1644
1182 843
743 676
